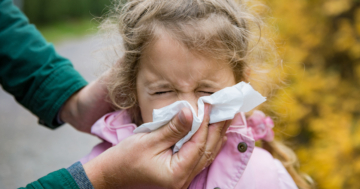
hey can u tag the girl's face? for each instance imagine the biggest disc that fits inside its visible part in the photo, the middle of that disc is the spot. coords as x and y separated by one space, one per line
169 72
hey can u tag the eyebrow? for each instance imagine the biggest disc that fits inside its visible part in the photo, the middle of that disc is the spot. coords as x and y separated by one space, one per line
206 85
158 85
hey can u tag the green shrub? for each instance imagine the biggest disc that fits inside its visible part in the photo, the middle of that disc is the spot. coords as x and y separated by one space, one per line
48 11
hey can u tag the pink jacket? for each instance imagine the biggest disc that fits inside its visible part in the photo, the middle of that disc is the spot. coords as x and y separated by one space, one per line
239 165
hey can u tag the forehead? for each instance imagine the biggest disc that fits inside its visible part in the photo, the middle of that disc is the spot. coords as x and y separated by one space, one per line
168 58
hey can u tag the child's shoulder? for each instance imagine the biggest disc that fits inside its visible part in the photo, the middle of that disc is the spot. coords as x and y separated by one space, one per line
254 169
261 155
266 172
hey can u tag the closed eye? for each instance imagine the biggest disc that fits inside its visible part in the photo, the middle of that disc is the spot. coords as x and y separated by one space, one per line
206 92
162 92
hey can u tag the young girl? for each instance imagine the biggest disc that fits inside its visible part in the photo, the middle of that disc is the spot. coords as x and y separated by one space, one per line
182 50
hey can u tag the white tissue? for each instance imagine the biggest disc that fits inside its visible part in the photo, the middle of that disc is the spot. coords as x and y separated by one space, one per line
224 105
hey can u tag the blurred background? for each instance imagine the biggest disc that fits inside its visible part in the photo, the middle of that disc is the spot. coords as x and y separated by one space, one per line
317 110
319 41
28 150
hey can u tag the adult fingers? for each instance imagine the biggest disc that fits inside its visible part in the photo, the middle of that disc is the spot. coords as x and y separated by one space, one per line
224 138
212 148
227 125
218 146
172 132
191 152
215 141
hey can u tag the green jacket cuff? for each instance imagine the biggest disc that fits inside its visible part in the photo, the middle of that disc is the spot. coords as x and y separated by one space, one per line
49 100
60 179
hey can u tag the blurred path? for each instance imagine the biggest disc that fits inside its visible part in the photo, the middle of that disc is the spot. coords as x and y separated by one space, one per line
29 151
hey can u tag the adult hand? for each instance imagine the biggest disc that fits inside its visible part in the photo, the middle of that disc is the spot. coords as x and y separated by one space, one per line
146 159
87 105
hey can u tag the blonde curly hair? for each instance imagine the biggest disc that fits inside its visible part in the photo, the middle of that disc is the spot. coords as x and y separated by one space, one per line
221 29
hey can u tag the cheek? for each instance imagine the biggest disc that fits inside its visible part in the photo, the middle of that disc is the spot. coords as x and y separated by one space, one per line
147 106
144 104
146 112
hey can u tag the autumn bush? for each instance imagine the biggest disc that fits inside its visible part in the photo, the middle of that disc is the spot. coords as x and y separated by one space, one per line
318 109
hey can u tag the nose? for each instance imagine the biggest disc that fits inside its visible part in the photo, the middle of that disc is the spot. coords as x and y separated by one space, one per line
191 98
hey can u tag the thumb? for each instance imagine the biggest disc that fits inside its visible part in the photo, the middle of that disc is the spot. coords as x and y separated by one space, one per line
176 129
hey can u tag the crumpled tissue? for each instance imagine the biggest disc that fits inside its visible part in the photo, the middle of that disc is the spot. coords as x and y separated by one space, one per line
224 105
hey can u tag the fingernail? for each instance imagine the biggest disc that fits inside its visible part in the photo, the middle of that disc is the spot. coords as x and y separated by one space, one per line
182 117
208 108
228 124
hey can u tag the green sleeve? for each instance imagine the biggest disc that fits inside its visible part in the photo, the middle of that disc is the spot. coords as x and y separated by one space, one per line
60 179
31 70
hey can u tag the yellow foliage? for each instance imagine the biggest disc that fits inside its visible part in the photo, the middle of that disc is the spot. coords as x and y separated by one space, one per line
318 111
335 7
